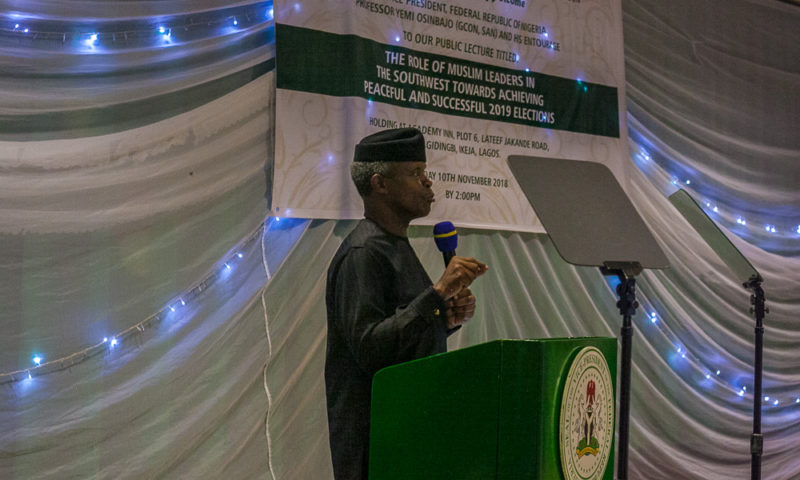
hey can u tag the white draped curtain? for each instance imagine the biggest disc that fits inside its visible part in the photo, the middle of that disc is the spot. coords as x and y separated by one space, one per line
180 334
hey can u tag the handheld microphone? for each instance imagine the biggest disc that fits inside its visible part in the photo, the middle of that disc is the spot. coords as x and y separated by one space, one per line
446 238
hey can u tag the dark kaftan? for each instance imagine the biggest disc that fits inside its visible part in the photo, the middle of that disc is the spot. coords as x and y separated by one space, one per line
382 310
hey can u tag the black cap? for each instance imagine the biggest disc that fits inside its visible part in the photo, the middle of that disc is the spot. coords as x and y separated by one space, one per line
395 145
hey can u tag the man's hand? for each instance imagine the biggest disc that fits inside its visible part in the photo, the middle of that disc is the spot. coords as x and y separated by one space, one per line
459 274
460 309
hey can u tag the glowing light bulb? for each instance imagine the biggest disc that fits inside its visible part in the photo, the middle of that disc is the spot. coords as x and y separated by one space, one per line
240 255
235 22
718 372
766 398
172 308
776 402
37 360
114 342
741 393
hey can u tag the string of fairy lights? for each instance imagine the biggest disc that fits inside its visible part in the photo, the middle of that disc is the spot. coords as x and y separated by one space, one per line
41 365
739 389
31 31
731 218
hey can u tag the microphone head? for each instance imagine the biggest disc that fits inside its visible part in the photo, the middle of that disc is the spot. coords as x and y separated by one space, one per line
445 236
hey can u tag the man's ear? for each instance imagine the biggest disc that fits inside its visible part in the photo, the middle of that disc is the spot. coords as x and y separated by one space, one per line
378 183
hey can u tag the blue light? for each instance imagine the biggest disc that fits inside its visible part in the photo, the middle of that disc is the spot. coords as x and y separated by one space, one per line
766 398
688 182
741 221
114 342
797 400
798 229
235 22
546 34
718 372
227 266
26 30
183 303
16 26
161 30
716 209
653 318
708 375
741 393
37 360
172 308
91 40
397 39
270 13
297 7
776 402
240 255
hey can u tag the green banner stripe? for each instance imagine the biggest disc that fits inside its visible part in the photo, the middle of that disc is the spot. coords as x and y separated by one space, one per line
350 66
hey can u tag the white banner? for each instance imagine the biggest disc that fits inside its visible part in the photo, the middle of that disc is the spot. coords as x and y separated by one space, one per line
481 79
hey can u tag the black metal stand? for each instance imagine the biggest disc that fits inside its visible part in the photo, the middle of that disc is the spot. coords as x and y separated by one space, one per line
759 309
627 304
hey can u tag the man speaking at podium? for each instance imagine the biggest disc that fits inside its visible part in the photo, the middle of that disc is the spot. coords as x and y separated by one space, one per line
383 309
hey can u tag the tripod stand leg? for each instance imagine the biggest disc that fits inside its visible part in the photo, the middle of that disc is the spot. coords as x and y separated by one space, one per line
626 332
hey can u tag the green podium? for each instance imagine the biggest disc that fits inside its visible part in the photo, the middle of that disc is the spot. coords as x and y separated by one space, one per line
499 410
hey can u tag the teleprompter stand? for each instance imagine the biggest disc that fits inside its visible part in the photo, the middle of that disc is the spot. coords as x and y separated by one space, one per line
592 222
751 280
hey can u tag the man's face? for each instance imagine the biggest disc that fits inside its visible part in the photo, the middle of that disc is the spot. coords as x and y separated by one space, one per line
410 193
